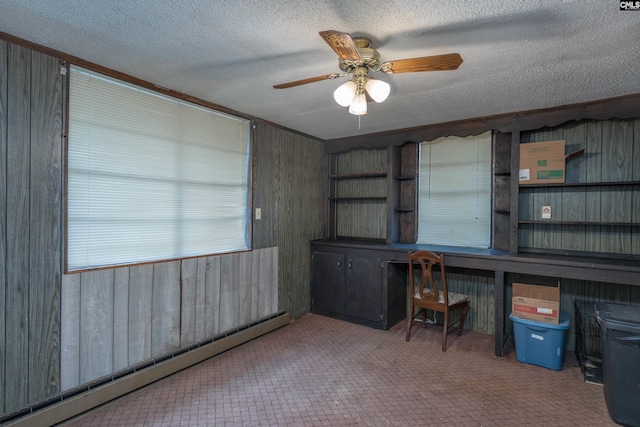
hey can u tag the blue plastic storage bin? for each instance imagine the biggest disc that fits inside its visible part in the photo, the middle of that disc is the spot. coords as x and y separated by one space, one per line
539 343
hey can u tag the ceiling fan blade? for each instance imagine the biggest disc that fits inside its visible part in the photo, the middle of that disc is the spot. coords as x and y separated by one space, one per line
342 44
305 81
450 61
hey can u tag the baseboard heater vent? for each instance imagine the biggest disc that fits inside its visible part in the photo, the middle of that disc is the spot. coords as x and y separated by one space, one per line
95 393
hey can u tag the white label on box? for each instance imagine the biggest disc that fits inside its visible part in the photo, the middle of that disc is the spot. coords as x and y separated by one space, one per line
525 175
541 310
538 337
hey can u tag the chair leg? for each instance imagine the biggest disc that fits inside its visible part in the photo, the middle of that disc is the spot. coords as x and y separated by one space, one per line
409 322
463 317
424 318
445 328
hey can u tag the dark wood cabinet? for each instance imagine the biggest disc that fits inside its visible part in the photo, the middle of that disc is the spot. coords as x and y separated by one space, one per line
352 285
328 283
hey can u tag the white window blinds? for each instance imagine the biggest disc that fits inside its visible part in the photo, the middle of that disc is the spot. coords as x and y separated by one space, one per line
454 206
151 177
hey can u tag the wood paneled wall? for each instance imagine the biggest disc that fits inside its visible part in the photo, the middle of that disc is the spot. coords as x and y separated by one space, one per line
117 318
289 181
31 106
58 331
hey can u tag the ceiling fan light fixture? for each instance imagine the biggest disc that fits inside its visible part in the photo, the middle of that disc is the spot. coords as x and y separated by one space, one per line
378 90
345 93
358 106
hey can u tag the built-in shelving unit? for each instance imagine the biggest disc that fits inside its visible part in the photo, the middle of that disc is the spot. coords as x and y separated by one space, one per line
595 211
358 194
501 190
404 197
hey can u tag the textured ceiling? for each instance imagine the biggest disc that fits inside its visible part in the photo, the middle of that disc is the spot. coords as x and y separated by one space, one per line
518 55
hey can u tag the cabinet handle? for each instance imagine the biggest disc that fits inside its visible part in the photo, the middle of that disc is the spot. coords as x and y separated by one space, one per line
350 263
339 263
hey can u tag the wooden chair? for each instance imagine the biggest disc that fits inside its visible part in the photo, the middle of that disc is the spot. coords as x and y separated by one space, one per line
429 297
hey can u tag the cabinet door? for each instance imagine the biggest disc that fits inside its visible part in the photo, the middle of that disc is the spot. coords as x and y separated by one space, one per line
327 286
364 288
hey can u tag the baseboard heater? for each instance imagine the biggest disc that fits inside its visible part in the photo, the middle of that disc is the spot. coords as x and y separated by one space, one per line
88 396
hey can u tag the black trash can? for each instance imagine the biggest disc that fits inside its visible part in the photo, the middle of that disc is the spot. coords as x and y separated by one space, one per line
620 342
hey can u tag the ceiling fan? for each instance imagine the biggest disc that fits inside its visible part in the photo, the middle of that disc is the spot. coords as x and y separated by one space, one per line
357 57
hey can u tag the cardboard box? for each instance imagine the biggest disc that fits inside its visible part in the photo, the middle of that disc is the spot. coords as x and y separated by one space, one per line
536 302
542 162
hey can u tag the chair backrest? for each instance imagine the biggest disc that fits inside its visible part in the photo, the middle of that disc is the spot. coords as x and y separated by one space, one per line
428 288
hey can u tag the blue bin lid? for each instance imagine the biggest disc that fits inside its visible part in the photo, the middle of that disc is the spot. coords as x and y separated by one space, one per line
564 321
622 317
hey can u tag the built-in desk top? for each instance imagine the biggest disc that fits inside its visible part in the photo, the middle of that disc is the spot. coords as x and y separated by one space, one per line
599 269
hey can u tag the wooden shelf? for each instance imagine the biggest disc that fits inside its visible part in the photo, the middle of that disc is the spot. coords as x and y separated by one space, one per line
405 178
588 223
582 184
359 175
358 198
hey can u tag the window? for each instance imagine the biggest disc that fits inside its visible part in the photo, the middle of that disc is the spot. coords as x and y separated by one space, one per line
454 205
151 177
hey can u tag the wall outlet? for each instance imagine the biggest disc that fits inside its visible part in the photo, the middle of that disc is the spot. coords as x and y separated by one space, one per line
546 212
258 213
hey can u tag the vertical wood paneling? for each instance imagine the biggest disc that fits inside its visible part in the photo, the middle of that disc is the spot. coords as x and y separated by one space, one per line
490 323
616 205
265 299
70 332
289 179
45 243
3 230
140 313
121 318
574 135
165 323
244 288
201 299
188 286
96 320
16 391
593 152
229 295
256 279
212 296
115 318
574 199
568 290
362 219
274 268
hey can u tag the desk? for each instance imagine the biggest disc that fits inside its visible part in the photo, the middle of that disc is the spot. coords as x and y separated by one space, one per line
607 270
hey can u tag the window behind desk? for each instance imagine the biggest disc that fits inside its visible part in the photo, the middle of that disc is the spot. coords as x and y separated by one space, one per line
151 177
454 199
